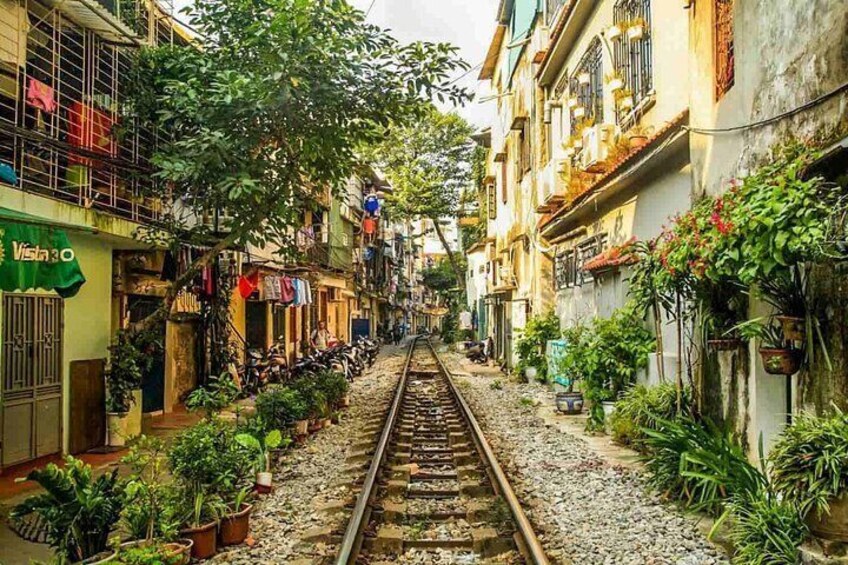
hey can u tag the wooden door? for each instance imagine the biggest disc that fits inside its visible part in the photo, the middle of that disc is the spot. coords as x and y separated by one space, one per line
32 377
88 405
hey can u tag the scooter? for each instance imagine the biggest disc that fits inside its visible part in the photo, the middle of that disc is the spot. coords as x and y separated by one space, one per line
477 352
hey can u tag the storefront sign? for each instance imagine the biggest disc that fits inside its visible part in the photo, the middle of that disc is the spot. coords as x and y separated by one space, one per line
38 257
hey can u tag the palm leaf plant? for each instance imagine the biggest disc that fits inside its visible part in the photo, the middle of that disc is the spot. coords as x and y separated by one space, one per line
78 509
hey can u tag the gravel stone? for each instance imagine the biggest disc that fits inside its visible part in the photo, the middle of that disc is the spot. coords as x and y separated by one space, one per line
585 509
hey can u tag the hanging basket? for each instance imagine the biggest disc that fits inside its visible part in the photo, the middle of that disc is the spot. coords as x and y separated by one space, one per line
781 361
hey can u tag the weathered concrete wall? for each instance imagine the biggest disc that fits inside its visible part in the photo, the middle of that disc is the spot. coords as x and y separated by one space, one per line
786 55
180 360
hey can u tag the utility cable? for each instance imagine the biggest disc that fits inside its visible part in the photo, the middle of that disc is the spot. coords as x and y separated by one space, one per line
812 103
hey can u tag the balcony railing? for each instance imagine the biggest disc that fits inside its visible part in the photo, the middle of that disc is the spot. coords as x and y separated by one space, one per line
63 128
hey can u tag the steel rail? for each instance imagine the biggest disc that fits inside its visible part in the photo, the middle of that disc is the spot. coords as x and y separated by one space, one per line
533 547
352 541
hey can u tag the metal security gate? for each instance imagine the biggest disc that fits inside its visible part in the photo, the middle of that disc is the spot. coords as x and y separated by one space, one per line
31 404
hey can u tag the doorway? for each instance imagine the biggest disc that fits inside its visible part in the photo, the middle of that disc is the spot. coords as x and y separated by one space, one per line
31 391
153 377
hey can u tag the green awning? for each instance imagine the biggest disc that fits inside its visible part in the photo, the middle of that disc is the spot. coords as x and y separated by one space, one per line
35 254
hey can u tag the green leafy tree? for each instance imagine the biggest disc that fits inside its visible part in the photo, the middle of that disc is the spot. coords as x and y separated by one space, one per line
268 112
429 162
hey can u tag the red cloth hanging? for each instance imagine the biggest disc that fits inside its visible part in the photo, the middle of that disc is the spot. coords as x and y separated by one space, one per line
248 284
91 129
369 226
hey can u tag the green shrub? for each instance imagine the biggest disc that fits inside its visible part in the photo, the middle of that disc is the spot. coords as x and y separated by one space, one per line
609 353
698 464
765 530
206 458
76 509
809 462
333 385
530 345
279 406
642 408
313 397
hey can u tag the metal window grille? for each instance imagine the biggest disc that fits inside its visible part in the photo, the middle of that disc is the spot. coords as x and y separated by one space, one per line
590 95
725 67
632 58
565 270
87 149
585 251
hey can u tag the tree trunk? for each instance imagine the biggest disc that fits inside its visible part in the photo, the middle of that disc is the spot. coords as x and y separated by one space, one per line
660 347
174 289
459 273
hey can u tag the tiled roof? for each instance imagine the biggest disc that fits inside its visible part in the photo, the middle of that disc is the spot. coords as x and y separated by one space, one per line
615 167
612 257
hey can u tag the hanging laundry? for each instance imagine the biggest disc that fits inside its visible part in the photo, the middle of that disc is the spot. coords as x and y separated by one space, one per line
286 290
248 284
371 204
271 288
369 226
307 292
298 292
90 129
41 96
8 174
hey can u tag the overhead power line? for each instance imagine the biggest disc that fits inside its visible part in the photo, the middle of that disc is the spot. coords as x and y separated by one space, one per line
812 103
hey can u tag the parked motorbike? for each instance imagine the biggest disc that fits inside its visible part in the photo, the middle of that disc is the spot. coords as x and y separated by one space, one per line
477 352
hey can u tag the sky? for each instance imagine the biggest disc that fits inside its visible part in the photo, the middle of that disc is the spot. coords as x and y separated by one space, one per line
468 24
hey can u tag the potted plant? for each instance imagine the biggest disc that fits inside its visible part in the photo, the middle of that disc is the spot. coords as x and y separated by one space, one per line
208 463
613 351
77 510
624 99
778 357
235 524
531 344
636 29
809 469
149 553
638 135
614 82
219 394
786 291
260 444
200 522
281 407
123 379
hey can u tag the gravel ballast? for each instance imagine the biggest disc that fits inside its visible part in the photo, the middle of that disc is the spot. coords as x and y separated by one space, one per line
310 476
585 509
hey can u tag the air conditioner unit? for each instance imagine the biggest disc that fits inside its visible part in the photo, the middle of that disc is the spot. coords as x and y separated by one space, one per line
596 142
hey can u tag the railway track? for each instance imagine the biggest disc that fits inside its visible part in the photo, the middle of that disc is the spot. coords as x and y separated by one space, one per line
433 485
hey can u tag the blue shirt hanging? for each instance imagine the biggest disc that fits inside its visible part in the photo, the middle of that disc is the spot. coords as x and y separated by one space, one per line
371 204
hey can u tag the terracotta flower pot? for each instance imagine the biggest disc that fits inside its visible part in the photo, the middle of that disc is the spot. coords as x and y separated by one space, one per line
315 425
833 526
345 401
301 427
781 361
794 328
638 141
181 550
326 423
204 539
234 528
